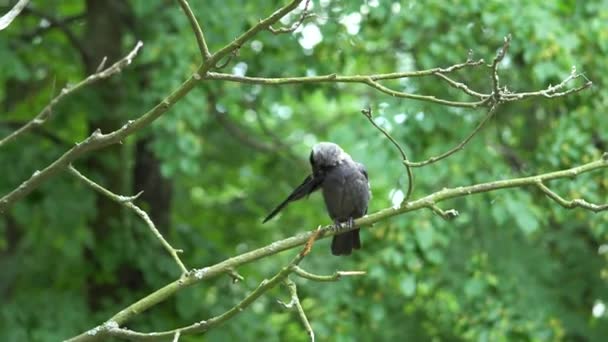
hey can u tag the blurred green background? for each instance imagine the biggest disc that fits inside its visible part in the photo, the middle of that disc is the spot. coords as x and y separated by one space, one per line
514 266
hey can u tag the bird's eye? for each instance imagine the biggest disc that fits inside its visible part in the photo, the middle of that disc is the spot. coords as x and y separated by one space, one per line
312 160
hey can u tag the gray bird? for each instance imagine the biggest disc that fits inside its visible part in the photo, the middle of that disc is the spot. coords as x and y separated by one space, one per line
345 191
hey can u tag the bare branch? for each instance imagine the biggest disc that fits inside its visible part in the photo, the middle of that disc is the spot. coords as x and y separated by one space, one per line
47 112
427 98
242 39
236 277
198 31
128 202
8 18
227 61
334 78
305 15
500 55
370 80
462 86
461 145
445 214
295 304
325 278
577 202
552 91
410 175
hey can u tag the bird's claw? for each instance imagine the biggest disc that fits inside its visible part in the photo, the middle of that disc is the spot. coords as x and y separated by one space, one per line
348 224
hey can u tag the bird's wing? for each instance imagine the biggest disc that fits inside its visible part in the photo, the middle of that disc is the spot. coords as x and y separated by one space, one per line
363 170
308 186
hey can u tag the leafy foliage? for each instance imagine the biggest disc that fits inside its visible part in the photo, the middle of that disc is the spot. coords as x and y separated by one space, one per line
513 266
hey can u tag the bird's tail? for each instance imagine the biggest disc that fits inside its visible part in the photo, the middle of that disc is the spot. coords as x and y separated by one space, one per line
343 244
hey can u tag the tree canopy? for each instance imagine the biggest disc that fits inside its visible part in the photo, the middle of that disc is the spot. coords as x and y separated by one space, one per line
215 131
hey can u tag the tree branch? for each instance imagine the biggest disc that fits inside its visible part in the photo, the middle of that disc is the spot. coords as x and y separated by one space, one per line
552 91
410 175
325 278
305 14
370 80
447 215
8 18
426 98
489 115
461 86
47 112
128 202
242 39
334 78
577 202
295 304
196 27
500 55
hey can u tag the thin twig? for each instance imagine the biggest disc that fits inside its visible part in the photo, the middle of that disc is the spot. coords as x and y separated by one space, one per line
227 61
198 31
342 79
577 202
370 80
410 175
500 55
462 86
295 304
128 202
460 145
552 91
325 278
47 112
305 15
447 215
426 98
243 38
236 277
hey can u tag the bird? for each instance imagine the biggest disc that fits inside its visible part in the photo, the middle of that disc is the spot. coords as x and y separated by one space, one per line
345 187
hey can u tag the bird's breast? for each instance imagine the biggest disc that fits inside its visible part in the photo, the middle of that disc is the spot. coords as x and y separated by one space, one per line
346 192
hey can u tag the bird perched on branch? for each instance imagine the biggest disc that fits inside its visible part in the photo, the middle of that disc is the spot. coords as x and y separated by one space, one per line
345 188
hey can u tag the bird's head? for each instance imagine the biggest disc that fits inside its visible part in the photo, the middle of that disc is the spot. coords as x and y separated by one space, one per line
326 155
